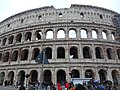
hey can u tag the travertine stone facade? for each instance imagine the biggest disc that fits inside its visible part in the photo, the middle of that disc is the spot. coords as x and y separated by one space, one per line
80 39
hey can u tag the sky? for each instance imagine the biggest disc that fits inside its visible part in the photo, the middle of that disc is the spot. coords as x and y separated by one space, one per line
11 7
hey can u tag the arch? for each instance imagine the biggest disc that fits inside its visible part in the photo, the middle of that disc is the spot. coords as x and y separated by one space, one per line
28 36
118 53
14 55
104 34
33 77
49 34
60 52
72 33
115 77
83 33
2 76
102 75
94 34
21 78
98 53
38 35
101 17
110 53
47 77
24 54
6 57
10 40
86 52
74 52
18 37
48 53
113 35
75 73
61 33
61 76
4 41
35 53
89 74
10 78
0 56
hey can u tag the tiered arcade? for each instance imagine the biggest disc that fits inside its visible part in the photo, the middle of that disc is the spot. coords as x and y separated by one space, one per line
80 39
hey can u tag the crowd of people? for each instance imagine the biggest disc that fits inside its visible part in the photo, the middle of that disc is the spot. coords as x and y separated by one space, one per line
90 85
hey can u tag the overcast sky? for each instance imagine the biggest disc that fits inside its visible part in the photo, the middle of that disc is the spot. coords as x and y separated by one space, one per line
11 7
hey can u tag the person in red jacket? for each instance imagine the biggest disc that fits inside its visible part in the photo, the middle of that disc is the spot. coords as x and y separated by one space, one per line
67 85
59 86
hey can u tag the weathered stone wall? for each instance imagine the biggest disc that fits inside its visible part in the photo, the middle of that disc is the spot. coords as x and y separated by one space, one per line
76 17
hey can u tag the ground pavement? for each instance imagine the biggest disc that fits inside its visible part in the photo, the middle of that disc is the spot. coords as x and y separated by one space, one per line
7 88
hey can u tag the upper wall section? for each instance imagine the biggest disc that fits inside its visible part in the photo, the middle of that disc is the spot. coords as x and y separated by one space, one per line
48 14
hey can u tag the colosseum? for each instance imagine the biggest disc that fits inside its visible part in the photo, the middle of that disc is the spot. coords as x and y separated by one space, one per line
81 40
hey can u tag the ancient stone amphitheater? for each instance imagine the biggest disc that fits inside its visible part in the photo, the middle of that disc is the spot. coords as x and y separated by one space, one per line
81 40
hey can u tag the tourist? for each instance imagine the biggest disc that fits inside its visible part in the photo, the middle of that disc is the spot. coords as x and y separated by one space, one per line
67 85
59 86
80 87
53 87
6 83
22 87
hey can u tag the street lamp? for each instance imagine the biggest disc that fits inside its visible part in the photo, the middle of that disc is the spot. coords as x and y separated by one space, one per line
71 73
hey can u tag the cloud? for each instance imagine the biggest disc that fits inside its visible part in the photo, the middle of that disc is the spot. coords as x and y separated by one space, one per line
11 7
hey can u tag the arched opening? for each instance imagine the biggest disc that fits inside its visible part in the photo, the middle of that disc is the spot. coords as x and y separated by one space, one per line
104 34
82 15
49 34
2 76
75 74
14 56
24 54
10 78
18 37
0 56
60 52
61 76
40 17
4 41
113 35
47 77
98 53
10 40
115 77
74 52
60 33
21 78
35 53
38 35
101 17
33 77
109 53
118 53
6 57
89 74
60 14
86 52
28 36
94 33
102 75
48 53
83 33
72 33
